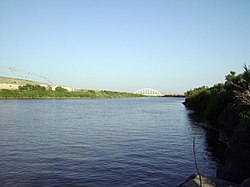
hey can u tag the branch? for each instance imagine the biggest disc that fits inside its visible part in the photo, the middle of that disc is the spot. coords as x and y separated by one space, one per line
195 162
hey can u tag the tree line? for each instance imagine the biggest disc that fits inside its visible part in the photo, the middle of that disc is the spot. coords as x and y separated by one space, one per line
29 91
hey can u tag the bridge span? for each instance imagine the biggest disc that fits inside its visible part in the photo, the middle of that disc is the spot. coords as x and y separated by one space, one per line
148 92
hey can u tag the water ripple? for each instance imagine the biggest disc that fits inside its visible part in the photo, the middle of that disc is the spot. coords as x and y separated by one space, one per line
118 142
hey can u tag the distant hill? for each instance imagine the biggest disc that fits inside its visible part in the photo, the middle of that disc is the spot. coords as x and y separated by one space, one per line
13 83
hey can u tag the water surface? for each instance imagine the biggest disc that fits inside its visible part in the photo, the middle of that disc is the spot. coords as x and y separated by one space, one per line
100 142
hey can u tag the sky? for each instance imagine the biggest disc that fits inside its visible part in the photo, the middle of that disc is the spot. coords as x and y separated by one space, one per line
125 45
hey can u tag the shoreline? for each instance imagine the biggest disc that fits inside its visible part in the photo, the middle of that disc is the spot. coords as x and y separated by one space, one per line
50 98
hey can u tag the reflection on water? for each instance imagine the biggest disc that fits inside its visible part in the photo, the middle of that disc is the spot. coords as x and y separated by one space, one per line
103 142
213 146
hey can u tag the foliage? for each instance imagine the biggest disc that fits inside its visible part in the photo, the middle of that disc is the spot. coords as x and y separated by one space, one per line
60 89
36 91
210 102
29 87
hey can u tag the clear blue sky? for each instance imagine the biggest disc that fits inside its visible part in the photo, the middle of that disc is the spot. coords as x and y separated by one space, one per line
125 45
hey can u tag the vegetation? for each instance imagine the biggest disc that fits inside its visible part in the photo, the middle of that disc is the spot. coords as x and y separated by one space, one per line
35 91
29 87
60 89
209 103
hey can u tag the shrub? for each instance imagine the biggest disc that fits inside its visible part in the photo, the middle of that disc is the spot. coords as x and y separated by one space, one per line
210 102
29 87
60 89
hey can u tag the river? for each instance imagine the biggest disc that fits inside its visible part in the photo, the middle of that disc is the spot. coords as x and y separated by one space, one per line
101 142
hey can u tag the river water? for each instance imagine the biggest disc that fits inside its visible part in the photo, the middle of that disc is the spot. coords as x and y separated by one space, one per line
101 142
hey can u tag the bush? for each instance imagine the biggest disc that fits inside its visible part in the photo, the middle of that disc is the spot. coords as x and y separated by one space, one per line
209 103
29 87
60 89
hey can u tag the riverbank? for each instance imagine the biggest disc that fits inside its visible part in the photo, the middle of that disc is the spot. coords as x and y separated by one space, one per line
227 107
30 92
14 88
53 95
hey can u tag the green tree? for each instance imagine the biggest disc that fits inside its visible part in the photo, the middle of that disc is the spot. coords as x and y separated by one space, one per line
29 87
60 89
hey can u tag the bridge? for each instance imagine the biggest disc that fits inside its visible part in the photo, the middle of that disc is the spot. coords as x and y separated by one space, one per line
148 92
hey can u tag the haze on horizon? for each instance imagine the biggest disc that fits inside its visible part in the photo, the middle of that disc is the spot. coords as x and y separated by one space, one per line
171 46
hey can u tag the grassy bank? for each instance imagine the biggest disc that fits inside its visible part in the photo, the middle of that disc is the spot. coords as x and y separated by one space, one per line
35 91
